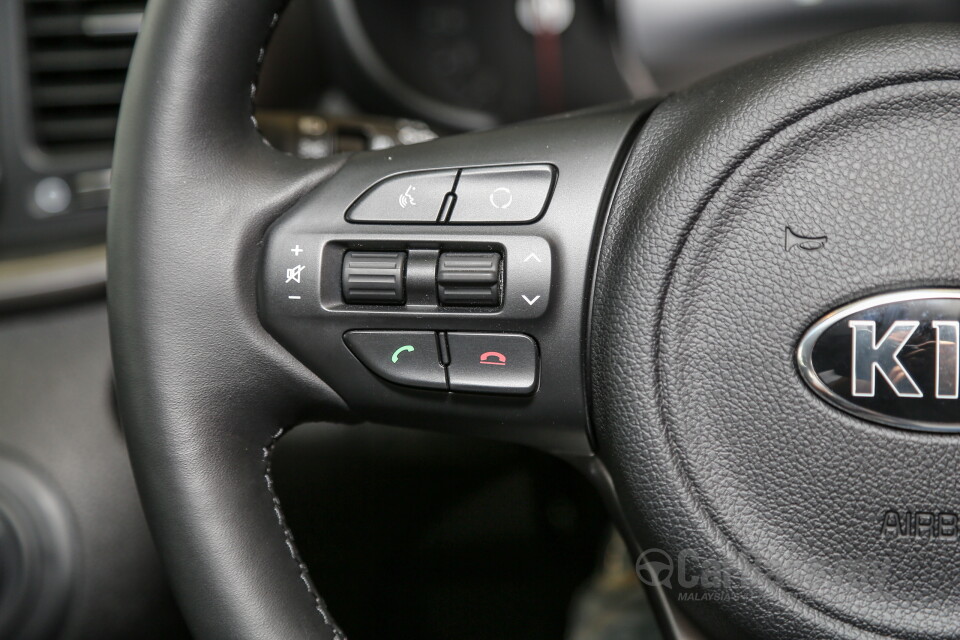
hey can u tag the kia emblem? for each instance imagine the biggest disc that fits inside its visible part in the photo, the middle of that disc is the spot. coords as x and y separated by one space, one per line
893 359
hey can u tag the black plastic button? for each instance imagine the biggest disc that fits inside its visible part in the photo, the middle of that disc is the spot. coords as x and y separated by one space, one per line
503 363
373 277
404 198
502 195
409 358
469 279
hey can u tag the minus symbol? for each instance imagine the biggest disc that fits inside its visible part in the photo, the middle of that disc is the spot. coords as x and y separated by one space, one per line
294 297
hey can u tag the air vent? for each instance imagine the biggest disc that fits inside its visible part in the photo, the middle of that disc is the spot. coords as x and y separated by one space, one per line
78 55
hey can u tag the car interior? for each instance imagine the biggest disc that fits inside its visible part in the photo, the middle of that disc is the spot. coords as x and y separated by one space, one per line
532 319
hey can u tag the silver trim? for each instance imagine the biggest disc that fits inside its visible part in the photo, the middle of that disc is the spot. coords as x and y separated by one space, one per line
809 339
28 281
111 24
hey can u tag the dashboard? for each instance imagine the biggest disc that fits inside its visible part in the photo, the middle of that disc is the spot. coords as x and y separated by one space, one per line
470 64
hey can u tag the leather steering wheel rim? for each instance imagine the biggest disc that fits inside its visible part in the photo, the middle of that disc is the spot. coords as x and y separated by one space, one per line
204 390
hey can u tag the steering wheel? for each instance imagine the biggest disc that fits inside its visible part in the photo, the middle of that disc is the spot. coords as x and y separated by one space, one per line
664 293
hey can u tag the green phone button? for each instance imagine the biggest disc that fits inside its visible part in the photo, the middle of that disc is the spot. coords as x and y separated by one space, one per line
403 349
409 358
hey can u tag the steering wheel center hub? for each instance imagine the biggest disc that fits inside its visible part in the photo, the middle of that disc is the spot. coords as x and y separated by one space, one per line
795 198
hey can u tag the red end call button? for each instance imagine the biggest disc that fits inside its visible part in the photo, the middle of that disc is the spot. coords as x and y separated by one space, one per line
504 363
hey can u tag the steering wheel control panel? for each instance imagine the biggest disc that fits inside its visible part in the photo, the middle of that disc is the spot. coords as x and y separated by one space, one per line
445 285
502 363
516 194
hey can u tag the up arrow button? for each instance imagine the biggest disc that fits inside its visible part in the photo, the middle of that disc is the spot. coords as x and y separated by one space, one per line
527 273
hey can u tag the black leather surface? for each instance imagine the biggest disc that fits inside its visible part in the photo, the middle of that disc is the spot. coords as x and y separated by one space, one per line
712 439
204 390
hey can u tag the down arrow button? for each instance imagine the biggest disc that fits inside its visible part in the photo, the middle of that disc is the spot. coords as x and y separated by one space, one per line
527 277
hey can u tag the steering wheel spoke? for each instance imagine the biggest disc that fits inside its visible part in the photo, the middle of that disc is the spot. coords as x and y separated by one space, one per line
444 285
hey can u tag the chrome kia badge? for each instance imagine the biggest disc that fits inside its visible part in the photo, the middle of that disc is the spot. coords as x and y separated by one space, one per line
891 358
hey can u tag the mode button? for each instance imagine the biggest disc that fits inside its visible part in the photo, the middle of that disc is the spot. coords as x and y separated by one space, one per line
502 195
